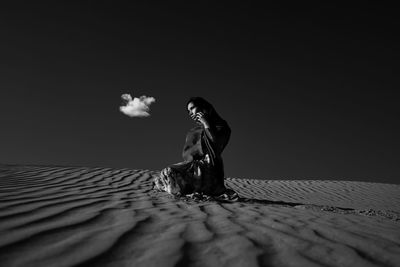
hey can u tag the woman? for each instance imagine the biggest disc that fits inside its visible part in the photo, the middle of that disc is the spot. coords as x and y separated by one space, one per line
202 170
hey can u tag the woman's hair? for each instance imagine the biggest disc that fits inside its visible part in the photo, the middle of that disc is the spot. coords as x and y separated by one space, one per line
200 103
205 106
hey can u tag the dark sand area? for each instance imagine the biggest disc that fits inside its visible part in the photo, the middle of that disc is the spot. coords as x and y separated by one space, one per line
80 216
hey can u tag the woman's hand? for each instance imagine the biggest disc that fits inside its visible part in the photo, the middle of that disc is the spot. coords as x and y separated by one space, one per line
202 118
193 117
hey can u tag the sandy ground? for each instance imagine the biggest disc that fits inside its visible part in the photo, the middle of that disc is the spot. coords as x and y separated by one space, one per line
78 216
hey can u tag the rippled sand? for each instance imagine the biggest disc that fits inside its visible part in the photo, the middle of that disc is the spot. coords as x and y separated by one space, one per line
77 216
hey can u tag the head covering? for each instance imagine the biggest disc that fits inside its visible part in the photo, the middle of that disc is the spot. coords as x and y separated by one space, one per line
212 141
206 107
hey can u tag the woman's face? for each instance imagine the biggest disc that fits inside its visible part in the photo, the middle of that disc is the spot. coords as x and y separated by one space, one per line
192 110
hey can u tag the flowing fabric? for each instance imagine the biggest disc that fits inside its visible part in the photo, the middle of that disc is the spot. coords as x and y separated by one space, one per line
202 170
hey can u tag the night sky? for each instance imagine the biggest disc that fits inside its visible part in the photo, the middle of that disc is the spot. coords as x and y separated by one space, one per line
309 91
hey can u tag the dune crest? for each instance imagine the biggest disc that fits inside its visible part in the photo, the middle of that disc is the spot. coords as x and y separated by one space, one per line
79 216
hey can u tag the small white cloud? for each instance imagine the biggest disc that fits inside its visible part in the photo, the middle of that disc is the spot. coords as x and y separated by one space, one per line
136 107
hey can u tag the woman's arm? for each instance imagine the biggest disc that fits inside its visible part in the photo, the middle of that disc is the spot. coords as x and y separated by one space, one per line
211 133
218 134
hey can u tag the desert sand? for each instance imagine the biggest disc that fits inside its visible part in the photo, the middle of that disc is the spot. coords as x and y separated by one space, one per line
81 216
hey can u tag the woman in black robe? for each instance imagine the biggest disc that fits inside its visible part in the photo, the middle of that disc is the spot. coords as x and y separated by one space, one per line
202 170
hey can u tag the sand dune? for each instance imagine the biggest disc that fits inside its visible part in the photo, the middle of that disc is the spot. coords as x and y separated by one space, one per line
77 216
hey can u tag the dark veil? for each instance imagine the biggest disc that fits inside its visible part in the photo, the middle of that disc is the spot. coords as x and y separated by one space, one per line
203 104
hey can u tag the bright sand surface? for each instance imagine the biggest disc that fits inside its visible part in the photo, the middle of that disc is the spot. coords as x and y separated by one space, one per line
79 216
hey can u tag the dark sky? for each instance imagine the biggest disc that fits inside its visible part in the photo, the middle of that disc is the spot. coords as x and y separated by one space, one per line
309 91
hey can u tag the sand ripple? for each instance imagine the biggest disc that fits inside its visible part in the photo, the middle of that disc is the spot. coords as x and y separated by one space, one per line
78 216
